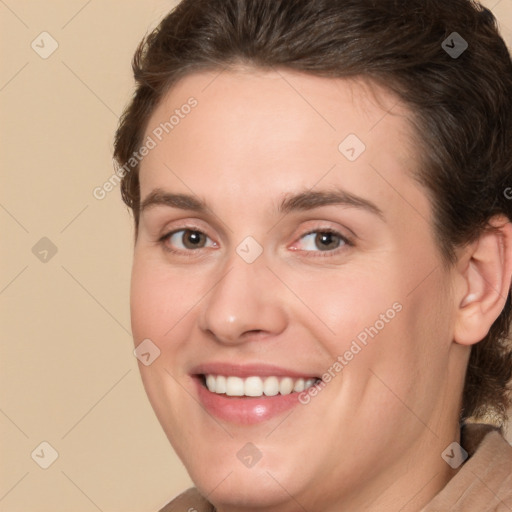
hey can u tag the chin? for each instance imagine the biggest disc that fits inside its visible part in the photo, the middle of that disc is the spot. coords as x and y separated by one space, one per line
229 483
243 489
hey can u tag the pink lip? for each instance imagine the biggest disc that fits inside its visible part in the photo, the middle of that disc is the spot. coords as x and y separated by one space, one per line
248 370
245 410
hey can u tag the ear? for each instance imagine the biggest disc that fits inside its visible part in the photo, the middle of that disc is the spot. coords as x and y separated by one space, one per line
486 271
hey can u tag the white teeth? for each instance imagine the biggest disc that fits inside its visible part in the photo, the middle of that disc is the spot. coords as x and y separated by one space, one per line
210 382
220 384
286 386
308 383
256 386
299 385
253 386
271 386
234 386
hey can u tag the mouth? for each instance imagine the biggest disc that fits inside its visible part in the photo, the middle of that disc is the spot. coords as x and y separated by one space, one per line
255 386
249 394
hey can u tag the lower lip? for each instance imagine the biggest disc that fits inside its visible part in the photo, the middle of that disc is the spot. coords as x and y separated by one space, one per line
245 410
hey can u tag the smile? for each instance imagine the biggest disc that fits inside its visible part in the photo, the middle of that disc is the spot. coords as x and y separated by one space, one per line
255 386
247 394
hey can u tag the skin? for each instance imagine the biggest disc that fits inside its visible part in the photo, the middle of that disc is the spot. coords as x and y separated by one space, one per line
372 438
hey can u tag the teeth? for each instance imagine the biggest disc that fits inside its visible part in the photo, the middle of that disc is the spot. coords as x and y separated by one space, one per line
308 383
299 385
253 386
220 384
210 382
286 386
256 386
234 386
271 386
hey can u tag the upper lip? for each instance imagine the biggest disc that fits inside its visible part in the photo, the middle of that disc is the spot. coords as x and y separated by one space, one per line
248 370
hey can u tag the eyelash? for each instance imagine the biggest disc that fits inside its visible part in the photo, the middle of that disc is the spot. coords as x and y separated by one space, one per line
322 254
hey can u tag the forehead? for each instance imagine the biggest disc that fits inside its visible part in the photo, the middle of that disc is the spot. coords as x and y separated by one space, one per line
278 106
251 132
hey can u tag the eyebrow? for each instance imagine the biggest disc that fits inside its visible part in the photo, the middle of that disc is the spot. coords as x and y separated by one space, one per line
302 201
159 197
308 200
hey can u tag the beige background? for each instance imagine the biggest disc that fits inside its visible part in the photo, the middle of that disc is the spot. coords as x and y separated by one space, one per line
68 374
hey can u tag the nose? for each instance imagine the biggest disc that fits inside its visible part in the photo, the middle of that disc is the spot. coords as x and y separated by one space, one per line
243 302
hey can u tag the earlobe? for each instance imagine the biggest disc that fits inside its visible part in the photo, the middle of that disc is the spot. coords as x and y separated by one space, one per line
486 280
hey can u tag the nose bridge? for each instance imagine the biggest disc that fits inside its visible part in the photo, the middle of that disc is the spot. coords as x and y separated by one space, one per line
241 301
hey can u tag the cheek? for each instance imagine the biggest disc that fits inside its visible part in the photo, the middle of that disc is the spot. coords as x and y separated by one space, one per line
157 298
157 306
429 321
380 321
343 304
410 355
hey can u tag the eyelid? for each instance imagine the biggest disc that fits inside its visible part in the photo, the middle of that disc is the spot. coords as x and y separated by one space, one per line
171 231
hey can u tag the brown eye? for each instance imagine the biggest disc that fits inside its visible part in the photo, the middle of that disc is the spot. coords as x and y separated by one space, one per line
193 239
187 239
322 241
327 241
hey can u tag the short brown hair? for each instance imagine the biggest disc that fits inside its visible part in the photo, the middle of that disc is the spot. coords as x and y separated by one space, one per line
461 108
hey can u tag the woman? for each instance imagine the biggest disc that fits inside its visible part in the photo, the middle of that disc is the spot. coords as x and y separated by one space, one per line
323 253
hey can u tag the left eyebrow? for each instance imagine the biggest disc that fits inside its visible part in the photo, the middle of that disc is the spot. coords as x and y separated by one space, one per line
308 200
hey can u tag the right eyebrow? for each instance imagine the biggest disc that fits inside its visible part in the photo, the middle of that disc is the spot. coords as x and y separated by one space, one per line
158 197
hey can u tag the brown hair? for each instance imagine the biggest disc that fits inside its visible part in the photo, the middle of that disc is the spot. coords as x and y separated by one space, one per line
461 108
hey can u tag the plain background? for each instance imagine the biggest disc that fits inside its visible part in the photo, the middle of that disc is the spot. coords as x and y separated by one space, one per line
68 376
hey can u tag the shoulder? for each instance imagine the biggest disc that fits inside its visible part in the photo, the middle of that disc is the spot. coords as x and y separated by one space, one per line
484 482
188 501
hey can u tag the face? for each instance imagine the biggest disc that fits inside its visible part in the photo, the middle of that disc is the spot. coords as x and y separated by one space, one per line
285 268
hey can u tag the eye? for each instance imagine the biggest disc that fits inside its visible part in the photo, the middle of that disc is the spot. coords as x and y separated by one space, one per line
323 241
186 240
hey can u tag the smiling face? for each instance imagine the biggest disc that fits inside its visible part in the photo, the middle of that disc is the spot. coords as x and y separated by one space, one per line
283 240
